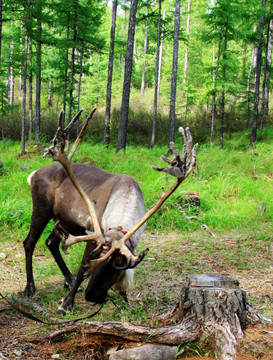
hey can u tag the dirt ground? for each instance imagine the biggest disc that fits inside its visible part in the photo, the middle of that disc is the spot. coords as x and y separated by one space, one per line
19 335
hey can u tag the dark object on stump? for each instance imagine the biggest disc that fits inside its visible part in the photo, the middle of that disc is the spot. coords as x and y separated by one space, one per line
190 200
211 307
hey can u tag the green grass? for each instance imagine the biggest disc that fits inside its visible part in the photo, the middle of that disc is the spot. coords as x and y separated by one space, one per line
232 185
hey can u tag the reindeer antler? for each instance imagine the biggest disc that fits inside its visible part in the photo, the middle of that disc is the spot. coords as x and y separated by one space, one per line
180 167
57 152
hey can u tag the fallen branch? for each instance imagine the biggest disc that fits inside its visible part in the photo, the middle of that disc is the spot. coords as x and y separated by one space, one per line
170 335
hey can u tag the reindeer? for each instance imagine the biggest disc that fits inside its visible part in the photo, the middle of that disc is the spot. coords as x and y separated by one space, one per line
105 210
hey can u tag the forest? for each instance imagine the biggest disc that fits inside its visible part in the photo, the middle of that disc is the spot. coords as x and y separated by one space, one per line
145 69
148 66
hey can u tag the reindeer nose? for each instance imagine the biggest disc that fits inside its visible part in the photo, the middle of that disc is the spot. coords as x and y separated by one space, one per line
95 297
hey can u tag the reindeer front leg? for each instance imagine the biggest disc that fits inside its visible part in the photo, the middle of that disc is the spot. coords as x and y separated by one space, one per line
67 303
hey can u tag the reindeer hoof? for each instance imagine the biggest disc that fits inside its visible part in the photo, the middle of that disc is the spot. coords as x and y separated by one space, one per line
61 312
30 290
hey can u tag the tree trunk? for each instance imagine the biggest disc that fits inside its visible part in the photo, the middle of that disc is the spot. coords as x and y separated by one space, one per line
156 75
186 62
257 80
174 71
38 82
127 78
110 74
72 73
222 110
79 90
50 95
213 107
144 54
252 66
23 131
11 79
30 103
160 56
267 67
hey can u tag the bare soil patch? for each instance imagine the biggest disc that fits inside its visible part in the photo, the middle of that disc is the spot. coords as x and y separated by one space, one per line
158 283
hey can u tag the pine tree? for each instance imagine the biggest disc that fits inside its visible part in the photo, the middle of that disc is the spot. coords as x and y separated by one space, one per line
174 71
110 74
122 136
257 78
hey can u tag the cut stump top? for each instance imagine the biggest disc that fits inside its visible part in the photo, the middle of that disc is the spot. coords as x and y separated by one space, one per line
211 281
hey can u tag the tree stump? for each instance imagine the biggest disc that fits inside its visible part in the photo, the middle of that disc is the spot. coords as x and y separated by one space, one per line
219 307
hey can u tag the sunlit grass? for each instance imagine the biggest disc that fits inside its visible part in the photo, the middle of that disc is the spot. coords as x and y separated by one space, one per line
235 188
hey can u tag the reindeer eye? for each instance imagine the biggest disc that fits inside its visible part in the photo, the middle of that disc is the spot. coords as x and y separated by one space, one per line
120 263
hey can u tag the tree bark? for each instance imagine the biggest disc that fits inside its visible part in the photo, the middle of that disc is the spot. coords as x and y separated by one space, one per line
110 74
11 79
79 90
122 136
142 89
50 95
160 55
222 110
30 96
174 71
38 82
267 67
72 73
252 66
213 107
23 130
257 80
186 62
156 75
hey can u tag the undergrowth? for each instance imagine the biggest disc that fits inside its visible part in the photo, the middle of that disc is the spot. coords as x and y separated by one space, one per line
235 188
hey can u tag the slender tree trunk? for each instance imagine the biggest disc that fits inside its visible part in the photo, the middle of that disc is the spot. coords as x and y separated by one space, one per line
252 66
79 90
186 63
38 83
144 54
50 95
244 63
65 82
156 75
11 79
110 74
222 110
267 67
71 87
257 80
23 131
174 71
160 55
213 107
30 103
127 78
73 62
